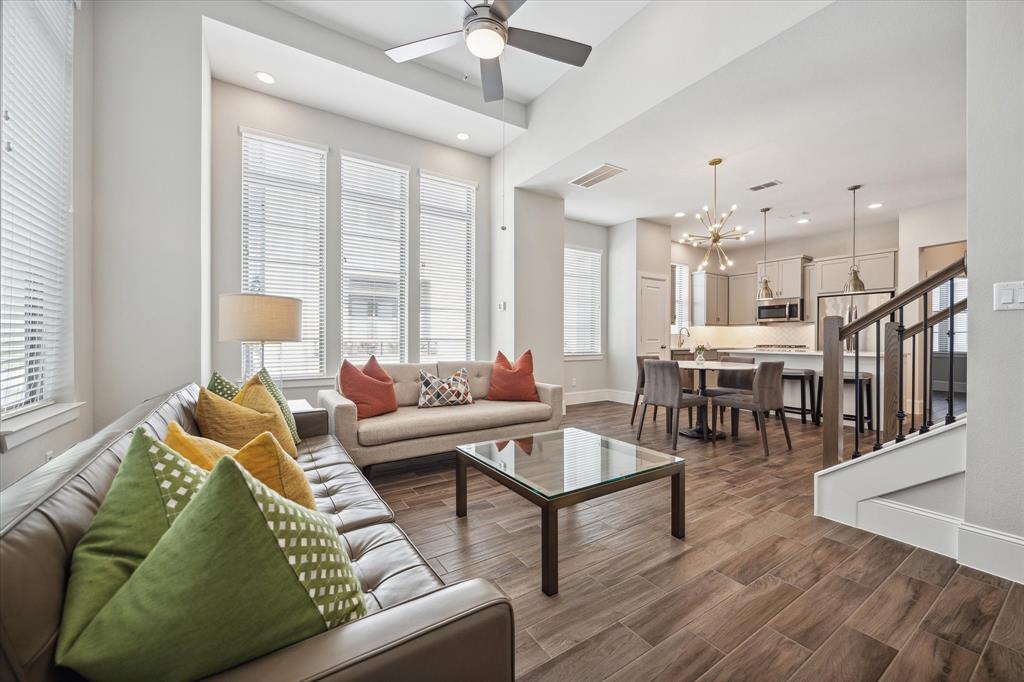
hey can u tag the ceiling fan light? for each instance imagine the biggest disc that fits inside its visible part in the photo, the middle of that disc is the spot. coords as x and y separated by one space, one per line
485 40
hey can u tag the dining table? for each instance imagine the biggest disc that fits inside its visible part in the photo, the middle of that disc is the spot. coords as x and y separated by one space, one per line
702 367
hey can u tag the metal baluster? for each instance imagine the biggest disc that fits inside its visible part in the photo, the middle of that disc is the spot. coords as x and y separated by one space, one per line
876 416
856 395
926 395
900 414
913 383
950 335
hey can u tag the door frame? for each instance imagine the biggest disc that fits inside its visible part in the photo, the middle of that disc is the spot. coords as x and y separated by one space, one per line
641 275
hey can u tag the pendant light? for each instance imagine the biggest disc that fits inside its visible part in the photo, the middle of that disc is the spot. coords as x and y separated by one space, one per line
715 224
765 293
854 285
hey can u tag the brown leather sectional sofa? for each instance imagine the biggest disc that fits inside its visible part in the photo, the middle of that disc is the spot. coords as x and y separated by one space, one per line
418 628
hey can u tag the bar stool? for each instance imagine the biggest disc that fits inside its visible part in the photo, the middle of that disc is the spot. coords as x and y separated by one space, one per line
806 379
864 396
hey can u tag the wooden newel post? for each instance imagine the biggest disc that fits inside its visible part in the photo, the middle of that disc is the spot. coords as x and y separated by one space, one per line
832 393
891 381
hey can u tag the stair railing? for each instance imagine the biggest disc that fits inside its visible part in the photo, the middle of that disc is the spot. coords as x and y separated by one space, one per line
896 334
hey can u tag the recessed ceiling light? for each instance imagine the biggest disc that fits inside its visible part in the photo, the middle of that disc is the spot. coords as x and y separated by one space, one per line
264 77
803 221
875 205
463 136
680 214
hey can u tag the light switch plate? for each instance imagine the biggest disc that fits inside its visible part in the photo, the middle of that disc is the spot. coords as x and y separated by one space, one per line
1008 296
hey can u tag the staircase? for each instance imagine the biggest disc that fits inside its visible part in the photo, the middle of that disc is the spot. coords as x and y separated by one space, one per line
904 477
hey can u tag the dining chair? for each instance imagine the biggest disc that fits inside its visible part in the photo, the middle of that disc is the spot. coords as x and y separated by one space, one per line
664 387
639 390
765 396
732 380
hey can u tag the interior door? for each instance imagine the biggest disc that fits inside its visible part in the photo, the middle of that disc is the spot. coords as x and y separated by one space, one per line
652 317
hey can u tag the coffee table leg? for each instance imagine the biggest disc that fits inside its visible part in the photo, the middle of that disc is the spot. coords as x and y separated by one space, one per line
460 486
549 550
678 506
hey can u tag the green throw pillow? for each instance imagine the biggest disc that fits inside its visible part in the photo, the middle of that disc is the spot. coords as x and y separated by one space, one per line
241 573
228 390
224 388
149 491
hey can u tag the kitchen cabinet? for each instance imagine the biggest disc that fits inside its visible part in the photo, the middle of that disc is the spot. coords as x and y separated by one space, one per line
811 292
785 275
710 299
877 271
742 299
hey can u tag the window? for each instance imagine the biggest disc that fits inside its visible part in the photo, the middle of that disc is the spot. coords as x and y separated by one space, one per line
374 248
284 223
582 302
35 203
680 296
940 301
447 227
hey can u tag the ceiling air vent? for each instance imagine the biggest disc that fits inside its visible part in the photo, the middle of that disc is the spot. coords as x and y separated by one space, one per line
599 174
766 185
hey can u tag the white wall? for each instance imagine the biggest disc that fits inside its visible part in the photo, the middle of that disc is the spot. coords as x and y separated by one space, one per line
16 462
943 222
235 106
622 283
581 376
995 253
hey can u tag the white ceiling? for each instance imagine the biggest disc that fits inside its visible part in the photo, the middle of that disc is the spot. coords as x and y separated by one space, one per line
236 55
868 93
396 22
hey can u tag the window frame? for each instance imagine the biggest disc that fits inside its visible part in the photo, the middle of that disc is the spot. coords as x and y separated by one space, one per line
601 341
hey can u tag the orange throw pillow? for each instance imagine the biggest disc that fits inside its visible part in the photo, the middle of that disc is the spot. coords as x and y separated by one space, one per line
372 396
513 383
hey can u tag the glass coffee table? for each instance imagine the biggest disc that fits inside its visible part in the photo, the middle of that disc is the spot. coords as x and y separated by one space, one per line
558 469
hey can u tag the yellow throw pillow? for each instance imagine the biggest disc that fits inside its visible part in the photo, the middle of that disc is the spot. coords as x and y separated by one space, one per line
263 457
236 422
202 452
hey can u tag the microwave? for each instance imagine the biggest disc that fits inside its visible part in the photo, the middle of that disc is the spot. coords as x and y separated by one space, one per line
780 310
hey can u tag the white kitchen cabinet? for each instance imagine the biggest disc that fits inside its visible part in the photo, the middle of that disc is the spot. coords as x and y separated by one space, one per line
877 271
710 299
742 298
785 276
810 292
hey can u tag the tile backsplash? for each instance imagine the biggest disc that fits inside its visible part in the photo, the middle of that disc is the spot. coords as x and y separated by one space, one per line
748 336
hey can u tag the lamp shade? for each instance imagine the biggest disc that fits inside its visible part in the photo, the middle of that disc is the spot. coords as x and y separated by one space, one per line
256 317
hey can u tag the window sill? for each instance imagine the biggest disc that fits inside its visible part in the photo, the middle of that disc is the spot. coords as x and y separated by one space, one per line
310 382
583 358
23 428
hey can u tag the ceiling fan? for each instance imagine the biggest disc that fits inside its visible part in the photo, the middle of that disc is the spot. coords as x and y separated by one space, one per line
486 32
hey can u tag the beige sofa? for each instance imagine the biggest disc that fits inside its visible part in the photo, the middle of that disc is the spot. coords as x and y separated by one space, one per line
413 432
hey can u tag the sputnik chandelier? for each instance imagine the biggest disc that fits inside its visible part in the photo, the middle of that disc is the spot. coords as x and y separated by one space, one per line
717 229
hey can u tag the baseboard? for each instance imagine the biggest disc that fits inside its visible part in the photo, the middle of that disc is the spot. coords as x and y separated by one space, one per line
992 551
912 525
597 395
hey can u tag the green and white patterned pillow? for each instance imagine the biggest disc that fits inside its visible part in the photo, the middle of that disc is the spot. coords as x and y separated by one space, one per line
228 390
453 390
242 572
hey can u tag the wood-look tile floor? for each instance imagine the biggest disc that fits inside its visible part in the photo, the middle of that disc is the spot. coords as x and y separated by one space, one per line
760 589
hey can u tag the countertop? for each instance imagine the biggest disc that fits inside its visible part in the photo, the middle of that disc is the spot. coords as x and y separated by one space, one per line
770 351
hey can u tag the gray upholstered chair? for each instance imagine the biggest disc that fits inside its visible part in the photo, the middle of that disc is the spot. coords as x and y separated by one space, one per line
639 390
765 396
732 380
664 387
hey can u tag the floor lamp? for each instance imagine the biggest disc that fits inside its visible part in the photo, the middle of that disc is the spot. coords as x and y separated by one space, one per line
257 318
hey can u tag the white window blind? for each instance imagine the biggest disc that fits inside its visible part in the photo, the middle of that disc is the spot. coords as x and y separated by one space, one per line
35 203
681 296
940 301
447 227
374 259
284 244
582 302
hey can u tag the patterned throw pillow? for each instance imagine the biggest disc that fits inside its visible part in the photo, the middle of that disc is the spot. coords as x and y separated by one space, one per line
454 390
223 387
241 573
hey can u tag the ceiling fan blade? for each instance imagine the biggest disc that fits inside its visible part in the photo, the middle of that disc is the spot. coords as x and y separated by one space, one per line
506 8
421 48
490 78
552 47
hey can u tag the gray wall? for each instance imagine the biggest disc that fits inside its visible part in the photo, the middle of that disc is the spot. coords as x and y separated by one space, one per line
995 235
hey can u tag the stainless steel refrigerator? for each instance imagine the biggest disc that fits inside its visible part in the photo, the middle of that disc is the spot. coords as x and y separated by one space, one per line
850 307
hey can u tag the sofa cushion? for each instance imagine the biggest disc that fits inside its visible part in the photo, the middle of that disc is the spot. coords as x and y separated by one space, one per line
389 568
339 488
410 422
479 374
407 379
